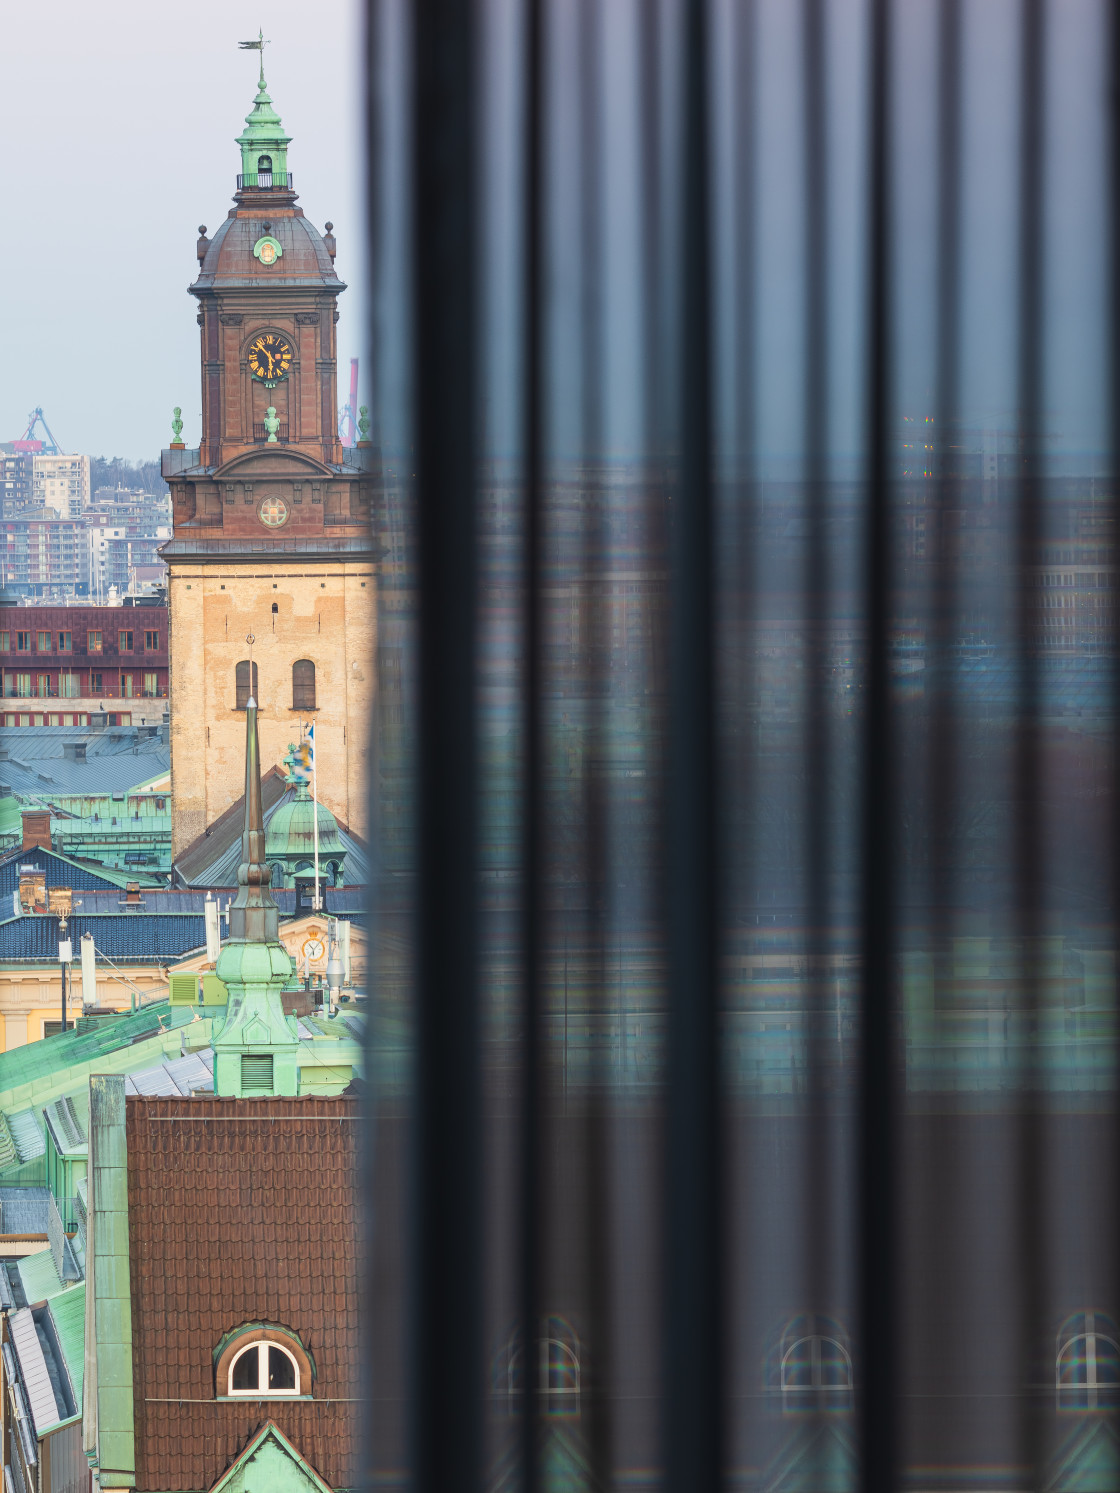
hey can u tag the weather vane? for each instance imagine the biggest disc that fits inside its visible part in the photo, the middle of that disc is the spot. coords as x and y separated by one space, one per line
256 46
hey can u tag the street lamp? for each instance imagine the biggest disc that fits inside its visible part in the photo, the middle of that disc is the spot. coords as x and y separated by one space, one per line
65 958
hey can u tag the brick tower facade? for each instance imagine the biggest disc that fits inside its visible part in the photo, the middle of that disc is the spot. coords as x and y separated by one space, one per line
271 514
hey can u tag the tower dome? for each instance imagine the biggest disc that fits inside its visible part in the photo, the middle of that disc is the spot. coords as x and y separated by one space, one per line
290 835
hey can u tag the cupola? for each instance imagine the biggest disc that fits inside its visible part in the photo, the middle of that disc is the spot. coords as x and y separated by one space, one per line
264 145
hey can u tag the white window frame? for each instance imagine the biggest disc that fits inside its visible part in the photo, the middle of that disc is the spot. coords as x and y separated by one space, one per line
261 1346
1084 1396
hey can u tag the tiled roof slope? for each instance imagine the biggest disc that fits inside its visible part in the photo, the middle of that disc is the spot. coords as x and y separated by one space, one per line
59 871
240 1210
137 938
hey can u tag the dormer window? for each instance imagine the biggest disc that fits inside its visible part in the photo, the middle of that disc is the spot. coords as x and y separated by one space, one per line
262 1361
264 1370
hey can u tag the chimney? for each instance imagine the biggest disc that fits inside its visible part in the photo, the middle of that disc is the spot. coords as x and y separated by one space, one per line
36 829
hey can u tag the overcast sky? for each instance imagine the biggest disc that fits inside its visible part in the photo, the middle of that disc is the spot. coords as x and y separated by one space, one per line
117 128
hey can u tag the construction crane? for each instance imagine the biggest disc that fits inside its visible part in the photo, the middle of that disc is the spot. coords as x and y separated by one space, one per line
27 441
348 414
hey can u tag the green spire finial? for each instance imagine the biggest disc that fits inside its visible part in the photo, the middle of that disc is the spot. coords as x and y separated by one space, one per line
177 427
257 46
255 1051
363 423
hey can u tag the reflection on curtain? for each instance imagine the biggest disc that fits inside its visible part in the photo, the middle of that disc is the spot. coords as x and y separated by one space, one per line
743 1041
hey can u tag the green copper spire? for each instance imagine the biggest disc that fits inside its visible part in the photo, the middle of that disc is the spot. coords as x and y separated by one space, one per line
264 145
255 1052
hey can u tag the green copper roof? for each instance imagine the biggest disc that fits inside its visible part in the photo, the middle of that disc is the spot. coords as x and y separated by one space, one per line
11 822
263 136
262 123
39 1278
108 1268
269 1460
53 1056
68 1310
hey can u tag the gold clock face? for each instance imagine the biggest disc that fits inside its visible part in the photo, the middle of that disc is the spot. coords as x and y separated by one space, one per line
270 358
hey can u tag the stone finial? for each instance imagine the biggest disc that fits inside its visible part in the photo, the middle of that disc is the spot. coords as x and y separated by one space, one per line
363 425
271 422
203 243
177 427
329 241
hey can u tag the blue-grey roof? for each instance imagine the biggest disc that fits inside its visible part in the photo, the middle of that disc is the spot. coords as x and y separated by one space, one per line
50 741
125 937
116 760
23 1210
152 900
59 870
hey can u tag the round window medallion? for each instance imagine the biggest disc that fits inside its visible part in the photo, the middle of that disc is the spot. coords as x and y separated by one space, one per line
273 512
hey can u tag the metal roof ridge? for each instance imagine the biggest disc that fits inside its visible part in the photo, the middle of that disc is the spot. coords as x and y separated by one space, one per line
33 1369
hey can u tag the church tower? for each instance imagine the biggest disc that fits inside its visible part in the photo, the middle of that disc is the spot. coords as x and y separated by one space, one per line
271 514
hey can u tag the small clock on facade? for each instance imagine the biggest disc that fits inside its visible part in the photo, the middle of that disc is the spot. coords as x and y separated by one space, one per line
270 358
273 512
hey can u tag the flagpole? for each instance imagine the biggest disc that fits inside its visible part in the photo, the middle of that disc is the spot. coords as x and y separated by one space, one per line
315 816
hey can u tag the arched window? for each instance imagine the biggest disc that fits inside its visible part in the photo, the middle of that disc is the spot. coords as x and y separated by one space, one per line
811 1366
303 684
264 1370
264 171
1087 1363
557 1367
242 681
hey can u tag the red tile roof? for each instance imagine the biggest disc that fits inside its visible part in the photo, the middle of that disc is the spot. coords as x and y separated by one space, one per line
240 1210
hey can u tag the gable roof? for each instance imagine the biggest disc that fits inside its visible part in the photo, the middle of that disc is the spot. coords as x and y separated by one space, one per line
269 1438
817 1457
229 1201
63 871
1088 1460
